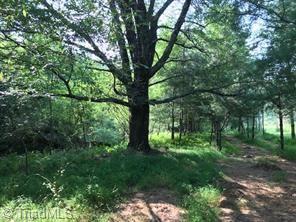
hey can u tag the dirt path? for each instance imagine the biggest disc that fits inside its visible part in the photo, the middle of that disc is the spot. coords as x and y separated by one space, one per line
154 206
258 187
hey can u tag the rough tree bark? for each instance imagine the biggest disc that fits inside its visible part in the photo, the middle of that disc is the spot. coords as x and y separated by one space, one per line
139 116
139 128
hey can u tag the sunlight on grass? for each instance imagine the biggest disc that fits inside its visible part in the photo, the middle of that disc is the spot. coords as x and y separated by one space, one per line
270 142
89 183
202 204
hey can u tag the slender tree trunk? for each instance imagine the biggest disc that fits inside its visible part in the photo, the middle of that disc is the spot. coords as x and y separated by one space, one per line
83 125
239 124
259 122
218 134
181 125
253 127
220 140
26 158
282 142
173 122
243 128
262 113
50 115
185 123
248 127
50 125
190 124
212 132
292 120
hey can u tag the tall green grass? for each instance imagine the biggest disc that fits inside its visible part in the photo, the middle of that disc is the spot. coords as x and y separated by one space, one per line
91 184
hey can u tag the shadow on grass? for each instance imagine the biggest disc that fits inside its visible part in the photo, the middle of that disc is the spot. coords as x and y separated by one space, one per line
99 182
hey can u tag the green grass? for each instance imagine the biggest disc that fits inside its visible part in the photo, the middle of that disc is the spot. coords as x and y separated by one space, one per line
80 182
229 148
271 142
202 204
279 176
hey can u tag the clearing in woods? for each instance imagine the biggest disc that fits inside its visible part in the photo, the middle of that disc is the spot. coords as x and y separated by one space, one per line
257 186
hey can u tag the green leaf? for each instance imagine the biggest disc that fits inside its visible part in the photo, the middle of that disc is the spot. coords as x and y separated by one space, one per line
24 11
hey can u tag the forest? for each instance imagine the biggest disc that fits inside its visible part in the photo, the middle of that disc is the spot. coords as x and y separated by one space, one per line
147 110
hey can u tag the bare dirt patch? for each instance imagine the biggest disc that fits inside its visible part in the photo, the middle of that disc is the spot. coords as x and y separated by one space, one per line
250 194
153 206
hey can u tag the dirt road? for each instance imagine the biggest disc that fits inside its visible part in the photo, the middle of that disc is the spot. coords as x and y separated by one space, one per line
258 187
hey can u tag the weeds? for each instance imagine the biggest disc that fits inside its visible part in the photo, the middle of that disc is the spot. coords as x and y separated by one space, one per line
75 179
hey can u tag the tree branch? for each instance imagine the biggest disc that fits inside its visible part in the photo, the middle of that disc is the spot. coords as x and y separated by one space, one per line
164 80
119 74
162 9
71 96
170 99
125 63
183 45
93 99
159 64
151 7
271 11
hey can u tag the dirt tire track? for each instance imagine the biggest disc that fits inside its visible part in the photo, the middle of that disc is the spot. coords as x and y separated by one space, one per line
250 194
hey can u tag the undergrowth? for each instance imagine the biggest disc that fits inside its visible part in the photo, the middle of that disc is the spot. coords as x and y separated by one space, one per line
86 184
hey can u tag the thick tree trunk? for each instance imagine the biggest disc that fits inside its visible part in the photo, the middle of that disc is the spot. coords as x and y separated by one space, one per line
292 120
139 128
139 116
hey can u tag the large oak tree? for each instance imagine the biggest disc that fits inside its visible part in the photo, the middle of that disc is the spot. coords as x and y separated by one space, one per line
119 36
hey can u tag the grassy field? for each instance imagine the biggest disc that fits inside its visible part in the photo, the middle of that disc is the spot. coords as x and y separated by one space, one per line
86 184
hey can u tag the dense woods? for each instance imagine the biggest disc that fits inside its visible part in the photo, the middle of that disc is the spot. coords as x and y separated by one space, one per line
104 78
